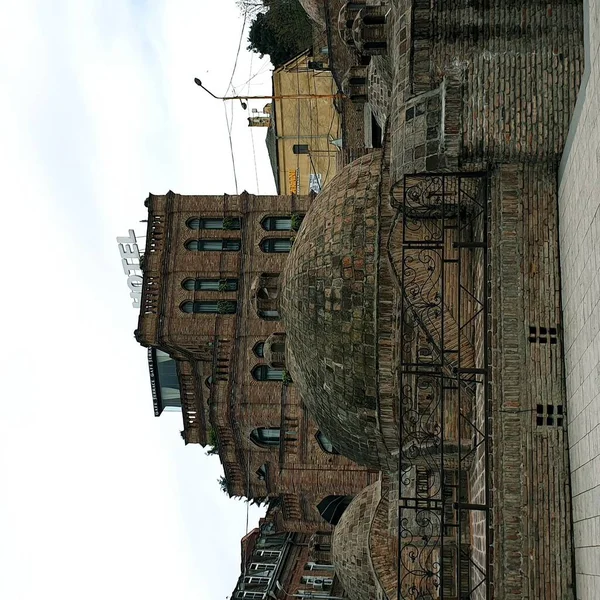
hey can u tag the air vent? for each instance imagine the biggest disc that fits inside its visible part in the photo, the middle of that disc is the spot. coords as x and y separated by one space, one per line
543 335
550 415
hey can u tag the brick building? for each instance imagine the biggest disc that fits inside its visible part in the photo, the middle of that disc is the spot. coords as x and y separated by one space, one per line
422 303
210 321
277 564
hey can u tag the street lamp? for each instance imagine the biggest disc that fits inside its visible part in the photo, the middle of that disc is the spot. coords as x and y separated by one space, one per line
199 84
242 99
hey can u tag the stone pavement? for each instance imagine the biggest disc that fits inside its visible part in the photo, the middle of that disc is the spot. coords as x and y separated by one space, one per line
579 203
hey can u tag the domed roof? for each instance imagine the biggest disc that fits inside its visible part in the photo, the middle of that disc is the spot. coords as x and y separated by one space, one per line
350 545
328 302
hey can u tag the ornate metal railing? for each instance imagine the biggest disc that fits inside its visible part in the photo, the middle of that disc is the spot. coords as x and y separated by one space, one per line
444 489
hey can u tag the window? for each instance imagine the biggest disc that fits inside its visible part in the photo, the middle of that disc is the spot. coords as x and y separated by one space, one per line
312 566
269 315
277 348
277 223
228 245
252 580
268 553
332 508
210 285
266 436
317 582
276 245
221 307
212 223
259 349
267 373
168 381
300 149
261 472
208 381
325 444
262 566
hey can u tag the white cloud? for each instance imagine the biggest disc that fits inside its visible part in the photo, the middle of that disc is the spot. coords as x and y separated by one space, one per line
98 107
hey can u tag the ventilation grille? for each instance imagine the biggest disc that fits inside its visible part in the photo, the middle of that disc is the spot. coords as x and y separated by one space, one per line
549 415
543 335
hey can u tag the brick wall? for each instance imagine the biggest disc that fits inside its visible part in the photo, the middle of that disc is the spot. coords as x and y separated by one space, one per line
532 533
216 353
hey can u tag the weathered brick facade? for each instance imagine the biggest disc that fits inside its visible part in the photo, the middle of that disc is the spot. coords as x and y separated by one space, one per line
475 87
217 353
279 564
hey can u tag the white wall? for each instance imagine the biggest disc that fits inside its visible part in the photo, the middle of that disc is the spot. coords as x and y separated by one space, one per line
579 209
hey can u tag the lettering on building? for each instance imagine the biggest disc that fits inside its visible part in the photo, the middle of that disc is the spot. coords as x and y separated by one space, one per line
131 262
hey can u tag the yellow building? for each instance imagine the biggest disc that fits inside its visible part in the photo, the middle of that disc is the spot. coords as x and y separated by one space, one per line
302 130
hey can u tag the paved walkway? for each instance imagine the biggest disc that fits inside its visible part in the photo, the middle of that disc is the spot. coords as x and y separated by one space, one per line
580 257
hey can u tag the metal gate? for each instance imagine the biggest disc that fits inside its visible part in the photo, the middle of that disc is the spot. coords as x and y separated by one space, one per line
444 408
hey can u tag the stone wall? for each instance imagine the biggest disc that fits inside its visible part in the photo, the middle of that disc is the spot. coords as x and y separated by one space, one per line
531 499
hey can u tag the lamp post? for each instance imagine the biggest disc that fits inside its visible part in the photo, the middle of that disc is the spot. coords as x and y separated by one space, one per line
280 97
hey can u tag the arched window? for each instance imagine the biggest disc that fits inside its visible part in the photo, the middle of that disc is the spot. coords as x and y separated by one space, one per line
208 381
325 444
261 472
259 349
213 223
210 285
266 436
227 245
275 245
221 307
267 373
277 223
332 508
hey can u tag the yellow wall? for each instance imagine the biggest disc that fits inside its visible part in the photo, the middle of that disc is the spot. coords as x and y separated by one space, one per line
311 121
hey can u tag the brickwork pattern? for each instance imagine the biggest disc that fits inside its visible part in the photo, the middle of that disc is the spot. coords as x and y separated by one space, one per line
329 292
502 92
476 84
351 553
532 538
216 354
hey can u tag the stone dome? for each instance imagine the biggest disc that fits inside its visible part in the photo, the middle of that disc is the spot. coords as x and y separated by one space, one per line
350 545
364 551
331 296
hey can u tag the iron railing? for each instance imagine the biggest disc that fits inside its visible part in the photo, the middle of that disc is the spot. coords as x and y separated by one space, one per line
444 404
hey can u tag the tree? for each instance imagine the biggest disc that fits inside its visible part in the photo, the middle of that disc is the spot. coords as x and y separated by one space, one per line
283 31
251 7
213 442
223 484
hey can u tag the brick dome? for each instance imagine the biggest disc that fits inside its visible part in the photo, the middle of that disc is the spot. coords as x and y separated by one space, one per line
350 545
330 300
364 552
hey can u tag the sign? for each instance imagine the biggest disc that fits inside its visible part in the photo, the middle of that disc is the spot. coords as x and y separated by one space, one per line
130 259
293 181
315 182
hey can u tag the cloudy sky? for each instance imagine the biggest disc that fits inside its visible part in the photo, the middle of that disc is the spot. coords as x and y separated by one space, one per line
99 499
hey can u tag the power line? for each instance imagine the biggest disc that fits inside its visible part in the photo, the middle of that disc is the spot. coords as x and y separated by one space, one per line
231 148
252 134
230 125
237 55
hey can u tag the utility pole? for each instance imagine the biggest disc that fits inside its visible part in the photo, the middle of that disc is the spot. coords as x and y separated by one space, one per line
281 97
